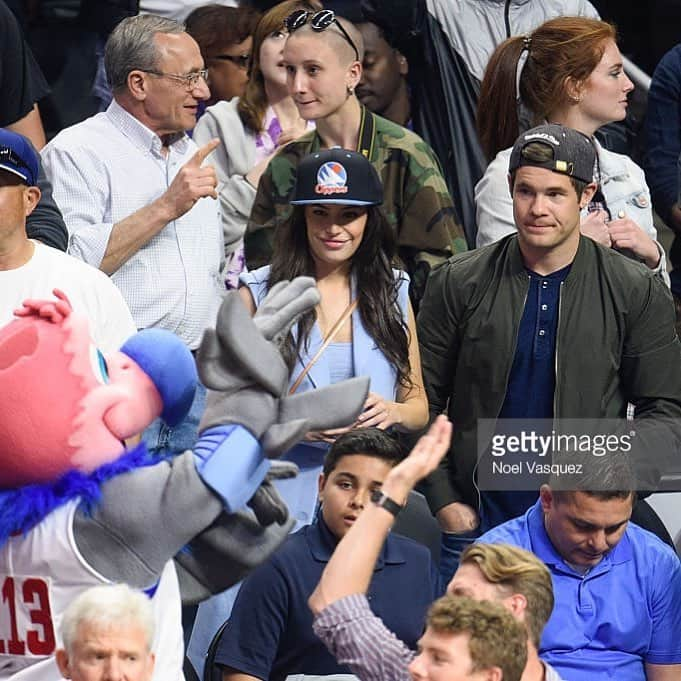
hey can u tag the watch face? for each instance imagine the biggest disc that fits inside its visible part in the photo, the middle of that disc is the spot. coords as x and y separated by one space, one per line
381 499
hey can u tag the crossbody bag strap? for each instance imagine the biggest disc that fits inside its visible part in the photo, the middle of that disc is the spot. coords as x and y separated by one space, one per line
367 134
327 339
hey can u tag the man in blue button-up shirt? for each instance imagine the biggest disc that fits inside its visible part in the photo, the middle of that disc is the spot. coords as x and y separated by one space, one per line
617 587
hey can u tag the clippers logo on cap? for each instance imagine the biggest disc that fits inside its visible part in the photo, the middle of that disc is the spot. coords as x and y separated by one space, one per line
331 179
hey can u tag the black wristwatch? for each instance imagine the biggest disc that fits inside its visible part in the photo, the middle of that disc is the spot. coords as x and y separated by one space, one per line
384 501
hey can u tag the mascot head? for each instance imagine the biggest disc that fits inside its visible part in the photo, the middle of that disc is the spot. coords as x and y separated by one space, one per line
66 407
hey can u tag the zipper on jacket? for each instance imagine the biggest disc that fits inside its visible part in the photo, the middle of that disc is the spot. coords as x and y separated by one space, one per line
555 357
507 19
477 491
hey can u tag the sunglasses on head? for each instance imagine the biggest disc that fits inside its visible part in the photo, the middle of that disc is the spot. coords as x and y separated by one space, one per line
319 21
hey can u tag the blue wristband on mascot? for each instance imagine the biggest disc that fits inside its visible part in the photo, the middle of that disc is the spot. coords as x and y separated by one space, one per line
231 462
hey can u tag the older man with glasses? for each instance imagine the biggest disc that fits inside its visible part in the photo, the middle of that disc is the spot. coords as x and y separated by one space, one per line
136 200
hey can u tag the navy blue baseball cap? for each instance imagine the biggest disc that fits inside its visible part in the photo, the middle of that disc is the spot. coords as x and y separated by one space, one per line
337 176
18 157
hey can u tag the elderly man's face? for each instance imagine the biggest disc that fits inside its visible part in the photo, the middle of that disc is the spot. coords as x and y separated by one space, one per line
107 653
171 104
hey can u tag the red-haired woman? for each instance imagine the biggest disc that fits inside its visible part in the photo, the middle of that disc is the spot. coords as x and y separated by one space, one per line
568 71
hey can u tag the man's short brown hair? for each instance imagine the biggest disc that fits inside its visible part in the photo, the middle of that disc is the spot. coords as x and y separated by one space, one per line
496 639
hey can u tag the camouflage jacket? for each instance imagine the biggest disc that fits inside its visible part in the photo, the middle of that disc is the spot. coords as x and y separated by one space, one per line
416 200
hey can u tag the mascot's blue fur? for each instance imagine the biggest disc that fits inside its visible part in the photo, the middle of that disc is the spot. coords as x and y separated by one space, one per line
22 509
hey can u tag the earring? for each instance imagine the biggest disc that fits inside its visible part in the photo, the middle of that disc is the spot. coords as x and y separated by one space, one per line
350 90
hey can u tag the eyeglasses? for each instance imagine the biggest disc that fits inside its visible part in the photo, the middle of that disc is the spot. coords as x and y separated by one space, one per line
189 80
319 21
241 61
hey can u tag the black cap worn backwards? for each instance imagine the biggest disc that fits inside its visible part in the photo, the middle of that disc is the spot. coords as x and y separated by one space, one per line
572 153
337 176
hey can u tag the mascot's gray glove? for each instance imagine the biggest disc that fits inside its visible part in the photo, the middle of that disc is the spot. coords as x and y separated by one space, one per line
241 364
248 416
242 356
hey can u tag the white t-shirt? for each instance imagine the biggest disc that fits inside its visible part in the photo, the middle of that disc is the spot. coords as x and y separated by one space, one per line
90 291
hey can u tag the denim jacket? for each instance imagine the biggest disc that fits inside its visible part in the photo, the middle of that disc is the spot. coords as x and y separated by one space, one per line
621 180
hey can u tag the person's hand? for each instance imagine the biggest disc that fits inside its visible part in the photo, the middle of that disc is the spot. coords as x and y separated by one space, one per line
457 517
255 173
595 226
192 182
289 134
626 234
318 436
421 461
378 412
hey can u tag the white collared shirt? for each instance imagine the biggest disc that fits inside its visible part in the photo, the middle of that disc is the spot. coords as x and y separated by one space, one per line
106 168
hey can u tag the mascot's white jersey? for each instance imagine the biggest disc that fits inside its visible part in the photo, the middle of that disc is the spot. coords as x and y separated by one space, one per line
40 574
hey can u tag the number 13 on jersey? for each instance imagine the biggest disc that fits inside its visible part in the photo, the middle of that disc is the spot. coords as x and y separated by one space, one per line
25 616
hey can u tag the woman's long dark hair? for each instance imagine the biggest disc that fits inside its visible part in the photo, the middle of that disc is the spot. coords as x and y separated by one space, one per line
377 288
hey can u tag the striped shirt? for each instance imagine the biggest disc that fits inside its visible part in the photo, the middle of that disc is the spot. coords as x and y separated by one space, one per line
360 640
106 168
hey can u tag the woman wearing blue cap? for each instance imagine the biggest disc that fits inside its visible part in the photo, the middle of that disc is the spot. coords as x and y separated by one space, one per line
364 324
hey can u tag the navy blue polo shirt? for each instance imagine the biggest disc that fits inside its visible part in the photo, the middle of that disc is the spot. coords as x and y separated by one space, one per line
532 381
270 635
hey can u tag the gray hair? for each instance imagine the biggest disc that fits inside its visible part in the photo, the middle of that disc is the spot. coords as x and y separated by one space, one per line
110 604
131 46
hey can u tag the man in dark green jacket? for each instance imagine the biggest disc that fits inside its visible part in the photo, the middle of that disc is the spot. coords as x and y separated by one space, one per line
544 324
